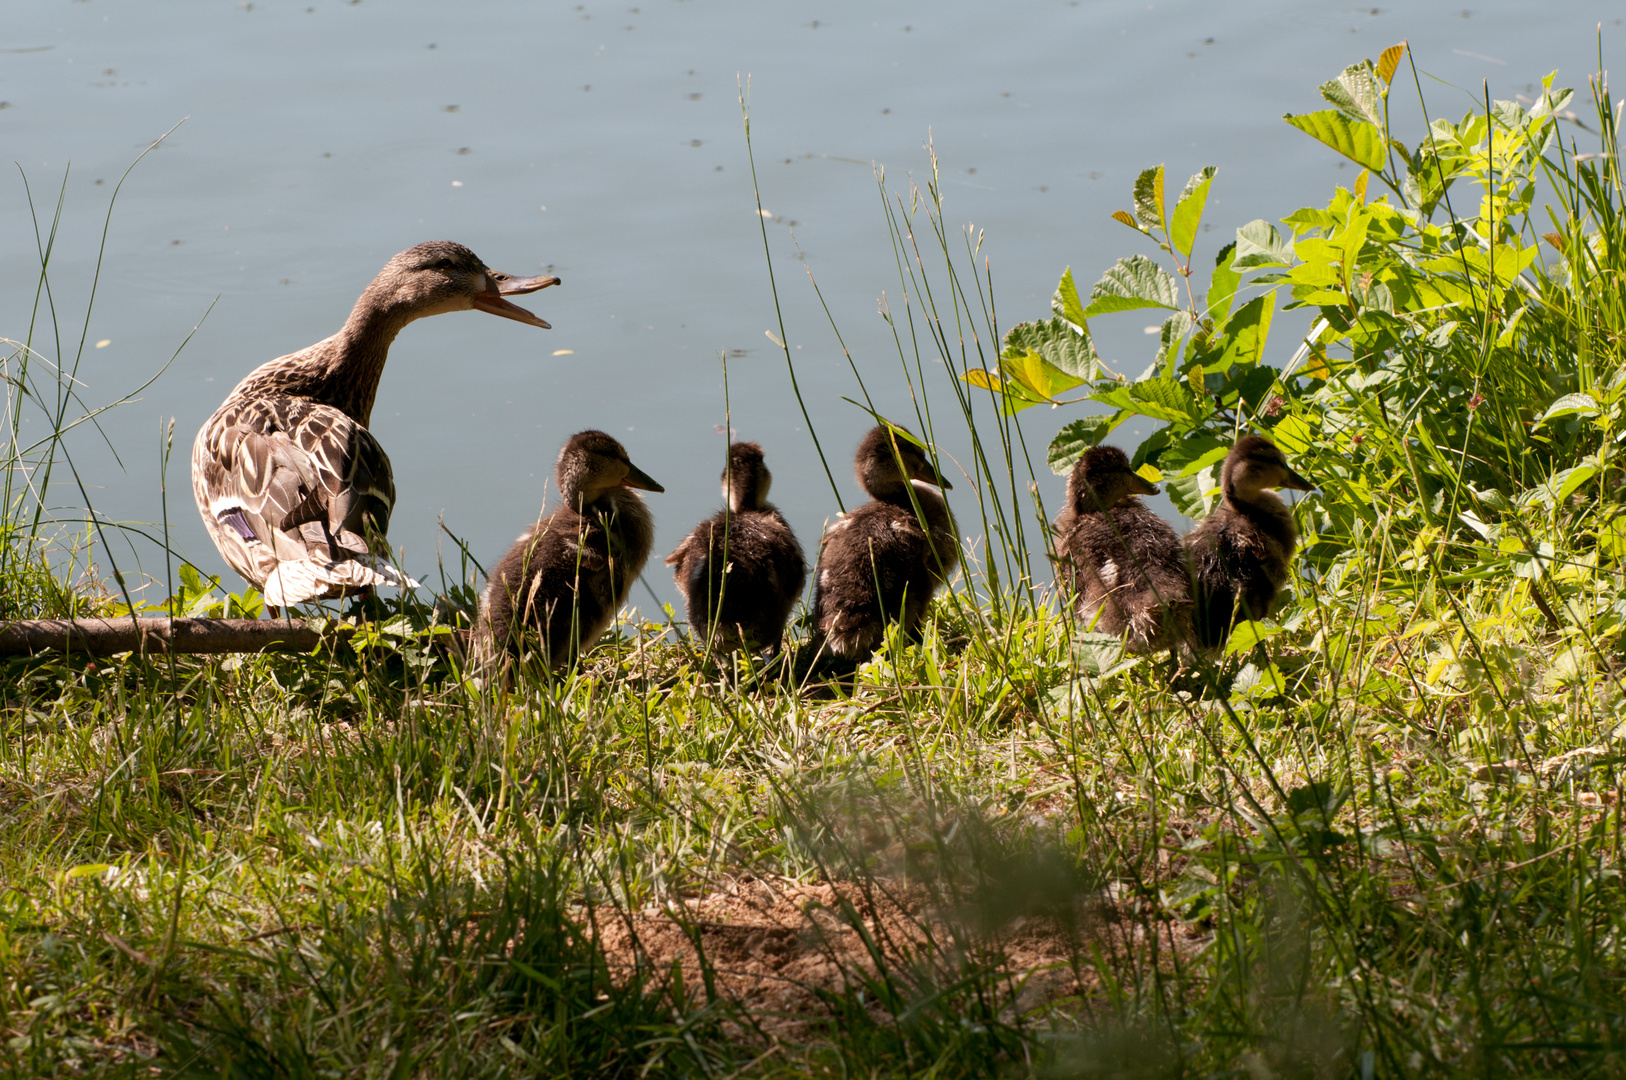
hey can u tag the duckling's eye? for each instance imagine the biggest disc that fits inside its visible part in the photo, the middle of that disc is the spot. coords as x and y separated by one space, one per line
441 264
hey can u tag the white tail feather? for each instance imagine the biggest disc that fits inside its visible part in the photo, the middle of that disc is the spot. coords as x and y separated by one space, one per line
307 579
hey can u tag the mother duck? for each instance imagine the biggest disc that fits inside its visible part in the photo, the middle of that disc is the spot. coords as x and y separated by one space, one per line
294 490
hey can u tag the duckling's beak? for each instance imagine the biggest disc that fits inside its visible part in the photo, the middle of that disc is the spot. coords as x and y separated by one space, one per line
499 285
1139 485
1294 481
637 478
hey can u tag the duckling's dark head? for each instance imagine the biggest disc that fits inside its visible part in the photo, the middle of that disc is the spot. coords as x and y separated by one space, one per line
440 276
1102 479
592 464
879 457
1256 463
746 480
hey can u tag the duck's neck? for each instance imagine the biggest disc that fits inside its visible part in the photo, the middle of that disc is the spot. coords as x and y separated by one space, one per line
744 497
353 361
1265 507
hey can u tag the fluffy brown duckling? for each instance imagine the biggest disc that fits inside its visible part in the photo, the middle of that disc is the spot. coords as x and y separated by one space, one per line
1239 554
882 562
741 570
1124 564
567 576
294 490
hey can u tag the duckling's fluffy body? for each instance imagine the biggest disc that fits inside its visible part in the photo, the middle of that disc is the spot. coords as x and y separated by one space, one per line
293 489
568 575
1124 564
740 570
878 564
1240 553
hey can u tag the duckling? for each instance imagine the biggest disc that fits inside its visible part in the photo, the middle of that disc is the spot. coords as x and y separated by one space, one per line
1239 554
567 576
741 570
1119 558
294 490
883 561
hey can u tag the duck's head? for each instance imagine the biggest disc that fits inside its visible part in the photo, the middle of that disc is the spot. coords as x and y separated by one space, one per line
592 464
440 276
1254 464
1102 479
747 479
886 461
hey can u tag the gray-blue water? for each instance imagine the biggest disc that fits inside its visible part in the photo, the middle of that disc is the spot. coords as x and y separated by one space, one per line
604 140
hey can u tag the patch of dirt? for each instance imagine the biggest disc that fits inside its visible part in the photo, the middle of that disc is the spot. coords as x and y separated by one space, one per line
774 945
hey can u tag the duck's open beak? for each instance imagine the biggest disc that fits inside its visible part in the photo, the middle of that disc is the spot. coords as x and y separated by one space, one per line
637 478
499 285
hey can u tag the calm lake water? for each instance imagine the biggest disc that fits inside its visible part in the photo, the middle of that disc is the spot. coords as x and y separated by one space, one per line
604 141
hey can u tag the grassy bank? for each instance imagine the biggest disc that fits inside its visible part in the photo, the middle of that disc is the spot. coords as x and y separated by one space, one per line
1379 837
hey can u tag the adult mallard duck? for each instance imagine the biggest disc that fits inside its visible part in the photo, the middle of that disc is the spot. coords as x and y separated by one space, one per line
741 570
567 576
882 562
1124 564
294 490
1239 554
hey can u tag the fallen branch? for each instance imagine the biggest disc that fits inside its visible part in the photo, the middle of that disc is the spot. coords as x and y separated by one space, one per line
105 637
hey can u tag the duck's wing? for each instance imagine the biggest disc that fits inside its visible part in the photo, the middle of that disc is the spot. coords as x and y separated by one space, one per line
297 496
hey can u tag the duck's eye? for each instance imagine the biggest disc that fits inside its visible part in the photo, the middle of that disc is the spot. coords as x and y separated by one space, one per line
442 264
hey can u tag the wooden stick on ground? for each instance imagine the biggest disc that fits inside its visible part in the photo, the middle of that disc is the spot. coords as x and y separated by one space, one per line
105 637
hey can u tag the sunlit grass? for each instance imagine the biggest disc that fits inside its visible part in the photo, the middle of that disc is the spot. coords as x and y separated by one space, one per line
1385 842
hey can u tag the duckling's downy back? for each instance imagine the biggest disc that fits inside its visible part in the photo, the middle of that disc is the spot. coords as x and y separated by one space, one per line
567 576
878 564
1124 564
1241 552
740 570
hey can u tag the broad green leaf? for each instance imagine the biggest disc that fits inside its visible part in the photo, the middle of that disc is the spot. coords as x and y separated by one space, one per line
1188 212
1248 634
1560 486
1135 282
1222 285
1193 453
1015 394
1071 441
1171 336
1389 61
1060 342
1570 405
1293 435
1612 537
1149 199
1259 244
1254 683
1195 496
1044 380
1357 140
1160 398
1246 332
1066 302
1357 93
